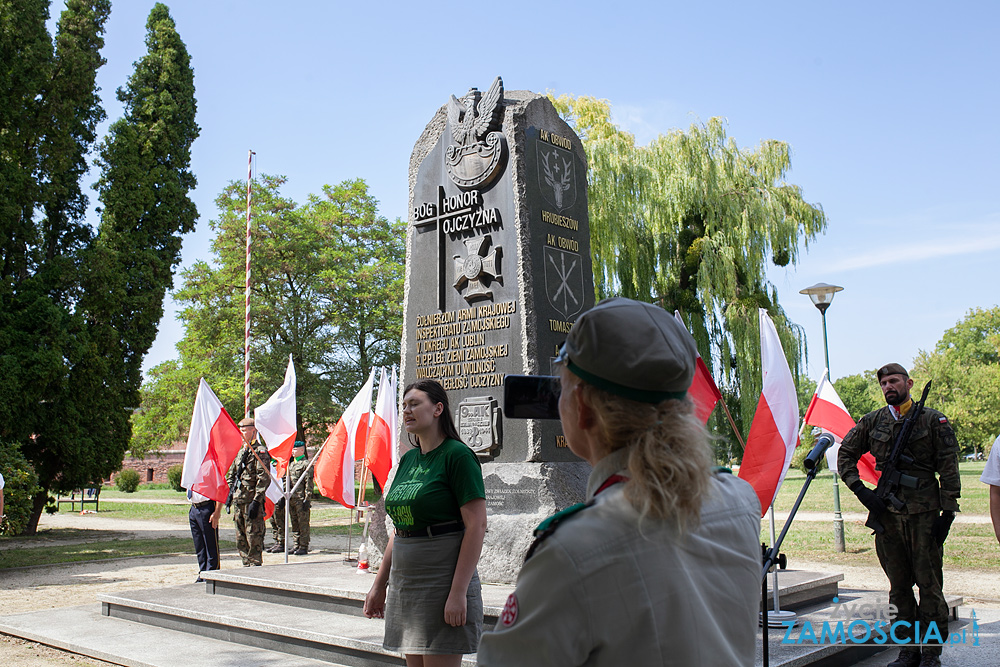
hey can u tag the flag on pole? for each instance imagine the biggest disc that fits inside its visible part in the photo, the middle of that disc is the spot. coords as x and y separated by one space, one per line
703 391
273 494
276 423
827 411
383 443
214 441
774 430
335 463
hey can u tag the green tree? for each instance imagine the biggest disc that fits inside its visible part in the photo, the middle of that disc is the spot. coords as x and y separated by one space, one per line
860 393
690 222
21 485
326 289
965 372
78 311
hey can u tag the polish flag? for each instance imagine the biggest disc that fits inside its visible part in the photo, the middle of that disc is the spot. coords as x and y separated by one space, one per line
774 430
214 441
703 390
275 420
828 412
383 441
334 468
273 494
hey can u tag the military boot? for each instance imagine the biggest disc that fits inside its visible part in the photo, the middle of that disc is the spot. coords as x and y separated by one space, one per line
276 548
928 660
907 658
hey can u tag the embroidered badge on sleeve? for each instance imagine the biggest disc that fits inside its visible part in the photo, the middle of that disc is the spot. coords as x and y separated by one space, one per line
509 614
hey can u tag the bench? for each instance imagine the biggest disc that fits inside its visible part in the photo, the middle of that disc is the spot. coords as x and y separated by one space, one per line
82 496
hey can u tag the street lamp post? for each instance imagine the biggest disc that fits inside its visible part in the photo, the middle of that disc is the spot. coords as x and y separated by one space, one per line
821 295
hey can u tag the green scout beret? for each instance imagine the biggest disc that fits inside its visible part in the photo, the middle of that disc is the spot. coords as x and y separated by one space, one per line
631 349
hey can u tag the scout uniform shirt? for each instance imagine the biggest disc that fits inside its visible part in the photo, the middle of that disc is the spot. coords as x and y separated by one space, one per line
605 590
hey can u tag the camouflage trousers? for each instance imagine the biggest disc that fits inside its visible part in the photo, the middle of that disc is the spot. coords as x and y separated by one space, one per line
249 534
909 555
298 517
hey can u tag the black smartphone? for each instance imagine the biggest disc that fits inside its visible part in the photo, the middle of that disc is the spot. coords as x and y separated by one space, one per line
531 396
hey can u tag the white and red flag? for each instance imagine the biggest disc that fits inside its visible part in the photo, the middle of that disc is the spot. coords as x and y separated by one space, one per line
275 420
774 430
383 441
827 411
274 492
214 441
703 391
335 463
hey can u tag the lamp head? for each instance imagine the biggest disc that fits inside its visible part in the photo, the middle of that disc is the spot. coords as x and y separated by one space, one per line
821 295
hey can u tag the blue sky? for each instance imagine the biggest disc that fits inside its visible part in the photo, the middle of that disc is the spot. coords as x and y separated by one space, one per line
889 108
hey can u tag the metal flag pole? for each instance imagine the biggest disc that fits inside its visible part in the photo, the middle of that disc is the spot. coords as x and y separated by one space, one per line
246 300
365 473
288 514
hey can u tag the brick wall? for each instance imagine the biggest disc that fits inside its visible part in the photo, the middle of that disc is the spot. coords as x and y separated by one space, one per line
154 467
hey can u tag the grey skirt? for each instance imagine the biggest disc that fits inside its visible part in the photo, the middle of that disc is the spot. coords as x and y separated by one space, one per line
419 582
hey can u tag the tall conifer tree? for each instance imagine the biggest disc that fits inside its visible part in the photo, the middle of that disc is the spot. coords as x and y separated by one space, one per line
78 311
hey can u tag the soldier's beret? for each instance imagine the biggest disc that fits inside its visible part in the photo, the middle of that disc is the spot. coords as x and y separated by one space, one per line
892 369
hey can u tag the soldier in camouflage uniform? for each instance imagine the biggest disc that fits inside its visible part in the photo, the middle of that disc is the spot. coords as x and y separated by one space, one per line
911 547
248 481
300 503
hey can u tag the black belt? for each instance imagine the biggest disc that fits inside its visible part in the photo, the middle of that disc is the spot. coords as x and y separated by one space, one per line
205 503
433 531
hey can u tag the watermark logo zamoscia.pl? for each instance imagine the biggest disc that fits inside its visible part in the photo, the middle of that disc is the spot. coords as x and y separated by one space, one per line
866 623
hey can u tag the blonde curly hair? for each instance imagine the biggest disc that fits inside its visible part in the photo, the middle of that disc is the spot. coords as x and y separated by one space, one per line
670 457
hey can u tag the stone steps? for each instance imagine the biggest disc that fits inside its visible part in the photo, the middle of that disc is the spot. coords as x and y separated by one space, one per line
320 634
310 613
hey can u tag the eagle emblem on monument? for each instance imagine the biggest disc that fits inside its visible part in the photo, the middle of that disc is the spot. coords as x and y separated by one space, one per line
475 120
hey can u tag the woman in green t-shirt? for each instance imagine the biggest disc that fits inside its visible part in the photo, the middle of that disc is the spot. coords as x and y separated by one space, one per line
427 587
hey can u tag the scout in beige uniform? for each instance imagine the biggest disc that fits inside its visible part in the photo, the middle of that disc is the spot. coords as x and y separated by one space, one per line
662 565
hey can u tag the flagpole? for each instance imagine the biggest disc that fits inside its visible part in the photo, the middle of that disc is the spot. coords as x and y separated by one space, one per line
246 300
729 415
732 423
288 514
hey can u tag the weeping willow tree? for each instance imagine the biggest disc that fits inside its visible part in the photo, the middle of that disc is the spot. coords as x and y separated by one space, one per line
690 222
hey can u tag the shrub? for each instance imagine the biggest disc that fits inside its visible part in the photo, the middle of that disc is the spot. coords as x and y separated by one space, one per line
174 477
21 485
127 481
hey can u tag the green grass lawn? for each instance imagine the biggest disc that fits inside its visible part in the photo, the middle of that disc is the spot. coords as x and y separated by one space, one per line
137 511
969 546
819 498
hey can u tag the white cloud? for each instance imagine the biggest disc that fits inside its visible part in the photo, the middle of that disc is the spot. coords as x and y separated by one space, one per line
914 252
646 122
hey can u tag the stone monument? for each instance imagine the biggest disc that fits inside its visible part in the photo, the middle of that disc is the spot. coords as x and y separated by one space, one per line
497 270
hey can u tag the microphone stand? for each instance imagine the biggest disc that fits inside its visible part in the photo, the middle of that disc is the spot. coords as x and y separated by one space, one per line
772 556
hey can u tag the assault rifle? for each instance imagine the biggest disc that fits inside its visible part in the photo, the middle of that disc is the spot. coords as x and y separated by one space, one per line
892 478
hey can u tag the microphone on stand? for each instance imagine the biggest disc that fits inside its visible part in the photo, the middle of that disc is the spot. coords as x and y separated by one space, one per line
823 443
